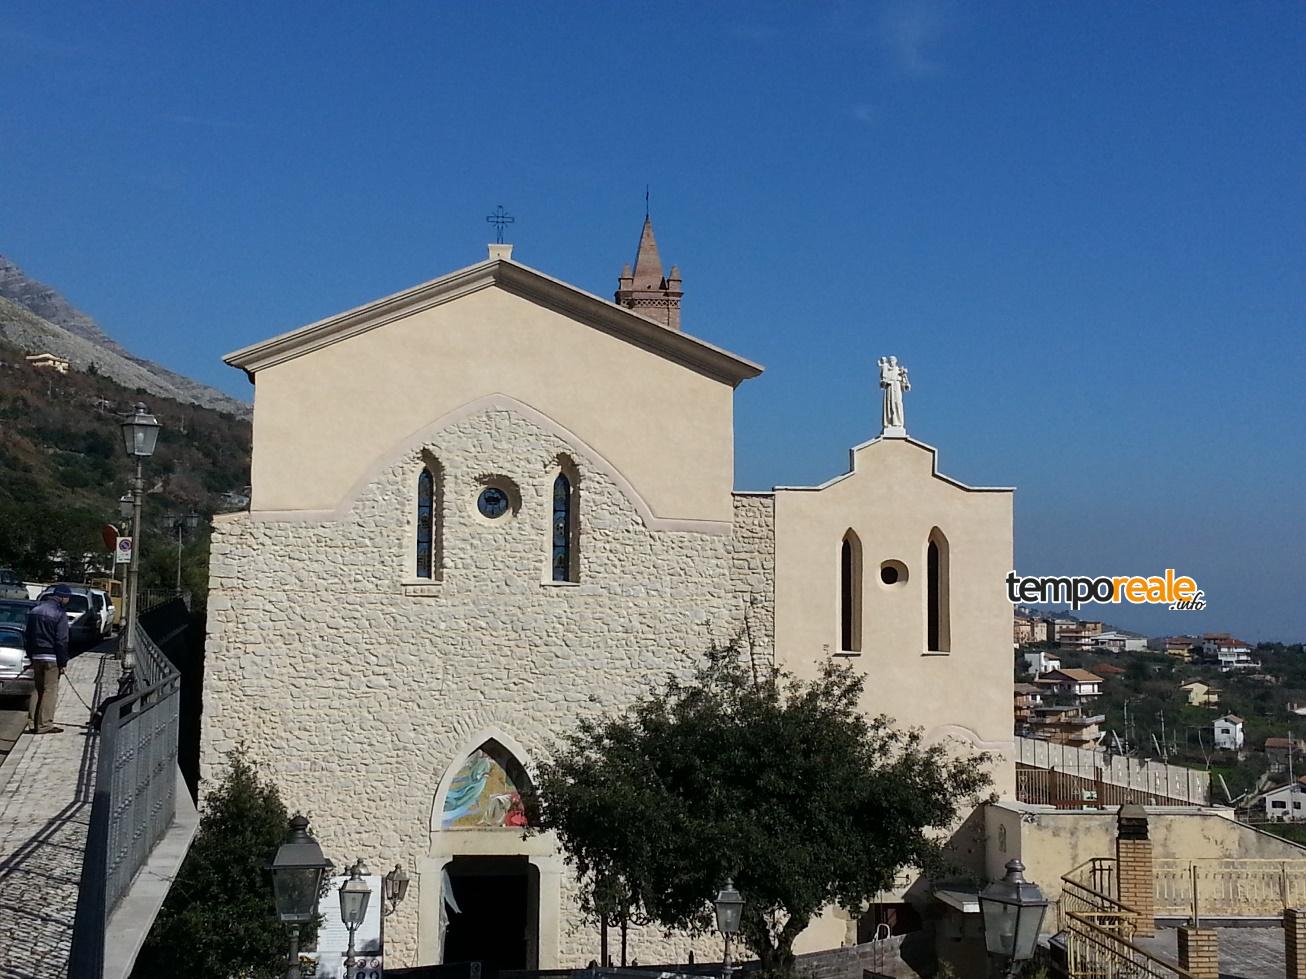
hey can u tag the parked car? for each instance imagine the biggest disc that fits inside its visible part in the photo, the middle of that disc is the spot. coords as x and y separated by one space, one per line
104 609
113 588
14 611
11 586
84 618
12 658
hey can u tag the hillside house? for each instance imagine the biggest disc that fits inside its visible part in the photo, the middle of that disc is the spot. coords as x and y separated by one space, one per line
1120 642
1041 662
1073 685
1284 803
1201 694
1277 750
1183 648
1229 732
1066 725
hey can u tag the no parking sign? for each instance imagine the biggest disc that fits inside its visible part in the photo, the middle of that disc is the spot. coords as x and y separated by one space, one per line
123 552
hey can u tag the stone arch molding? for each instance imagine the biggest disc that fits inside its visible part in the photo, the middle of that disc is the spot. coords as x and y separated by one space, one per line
958 732
470 736
582 452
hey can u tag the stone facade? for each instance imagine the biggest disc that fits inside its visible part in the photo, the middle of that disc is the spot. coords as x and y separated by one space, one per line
361 689
356 687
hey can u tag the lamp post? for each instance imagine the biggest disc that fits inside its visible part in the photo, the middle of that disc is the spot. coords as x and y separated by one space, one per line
297 873
729 910
1013 910
181 524
354 895
394 887
140 434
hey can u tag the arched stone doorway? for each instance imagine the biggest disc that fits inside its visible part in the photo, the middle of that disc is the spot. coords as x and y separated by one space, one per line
486 893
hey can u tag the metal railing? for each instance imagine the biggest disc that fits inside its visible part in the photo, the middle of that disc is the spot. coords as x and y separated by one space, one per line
1220 887
1084 789
1089 891
135 797
1094 952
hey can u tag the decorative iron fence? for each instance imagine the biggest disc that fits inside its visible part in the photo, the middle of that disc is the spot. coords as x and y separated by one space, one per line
1094 952
1220 887
1089 891
135 798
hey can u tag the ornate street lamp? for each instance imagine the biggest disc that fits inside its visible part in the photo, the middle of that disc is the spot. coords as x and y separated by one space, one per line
1013 910
181 524
394 887
729 911
297 874
140 434
354 895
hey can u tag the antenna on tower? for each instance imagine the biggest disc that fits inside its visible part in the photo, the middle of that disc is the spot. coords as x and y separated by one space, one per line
646 214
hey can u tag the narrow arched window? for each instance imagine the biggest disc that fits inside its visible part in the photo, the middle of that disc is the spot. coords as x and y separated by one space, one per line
426 524
850 594
564 555
938 632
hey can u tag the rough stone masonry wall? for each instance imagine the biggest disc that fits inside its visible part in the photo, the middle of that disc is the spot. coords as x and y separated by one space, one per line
354 689
752 569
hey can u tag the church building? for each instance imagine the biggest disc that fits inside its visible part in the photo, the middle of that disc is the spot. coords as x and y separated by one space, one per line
494 503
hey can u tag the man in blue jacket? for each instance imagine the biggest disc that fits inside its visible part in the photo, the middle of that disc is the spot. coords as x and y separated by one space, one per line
46 641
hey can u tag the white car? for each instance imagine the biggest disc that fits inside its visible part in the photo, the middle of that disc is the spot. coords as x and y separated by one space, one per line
12 658
104 605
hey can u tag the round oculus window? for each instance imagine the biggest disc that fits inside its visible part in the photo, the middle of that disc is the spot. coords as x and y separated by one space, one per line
493 502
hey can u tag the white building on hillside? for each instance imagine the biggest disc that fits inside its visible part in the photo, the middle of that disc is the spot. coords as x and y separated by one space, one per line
1229 732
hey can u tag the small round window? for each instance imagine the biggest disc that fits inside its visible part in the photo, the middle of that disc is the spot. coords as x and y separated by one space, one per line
893 573
493 502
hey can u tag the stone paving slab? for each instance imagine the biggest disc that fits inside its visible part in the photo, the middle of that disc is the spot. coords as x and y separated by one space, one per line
46 787
1245 953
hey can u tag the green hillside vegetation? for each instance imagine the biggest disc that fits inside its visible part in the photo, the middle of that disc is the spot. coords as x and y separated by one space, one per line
63 469
1150 687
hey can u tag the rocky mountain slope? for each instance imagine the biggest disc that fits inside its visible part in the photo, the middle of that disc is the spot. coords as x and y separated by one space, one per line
36 319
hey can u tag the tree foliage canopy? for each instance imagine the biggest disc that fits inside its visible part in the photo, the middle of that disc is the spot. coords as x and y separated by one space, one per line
219 918
747 772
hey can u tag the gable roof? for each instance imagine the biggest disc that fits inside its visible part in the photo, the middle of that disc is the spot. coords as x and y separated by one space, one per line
522 281
1072 673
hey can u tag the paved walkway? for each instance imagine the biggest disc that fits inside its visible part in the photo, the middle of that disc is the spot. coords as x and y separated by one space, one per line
1245 953
46 785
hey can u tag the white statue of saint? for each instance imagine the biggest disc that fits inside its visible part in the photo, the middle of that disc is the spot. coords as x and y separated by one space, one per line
893 379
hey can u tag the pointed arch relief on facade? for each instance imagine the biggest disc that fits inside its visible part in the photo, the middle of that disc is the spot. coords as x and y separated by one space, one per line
485 786
418 440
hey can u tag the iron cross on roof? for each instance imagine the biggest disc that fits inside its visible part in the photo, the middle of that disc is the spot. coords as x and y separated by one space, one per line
499 218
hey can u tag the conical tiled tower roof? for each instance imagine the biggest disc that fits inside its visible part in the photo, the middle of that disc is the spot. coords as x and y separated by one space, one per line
648 264
647 290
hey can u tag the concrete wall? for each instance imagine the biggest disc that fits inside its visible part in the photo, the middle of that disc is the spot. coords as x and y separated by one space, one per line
329 421
1053 842
892 499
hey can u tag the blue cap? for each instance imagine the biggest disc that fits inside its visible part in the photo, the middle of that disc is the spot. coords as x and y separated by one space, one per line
62 591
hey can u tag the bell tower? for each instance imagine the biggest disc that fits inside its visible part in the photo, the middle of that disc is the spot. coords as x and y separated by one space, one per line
647 290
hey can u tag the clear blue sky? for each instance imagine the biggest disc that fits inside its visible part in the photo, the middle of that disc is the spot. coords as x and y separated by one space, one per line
1080 226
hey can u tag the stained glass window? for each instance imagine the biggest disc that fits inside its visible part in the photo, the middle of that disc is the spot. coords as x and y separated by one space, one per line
562 529
425 523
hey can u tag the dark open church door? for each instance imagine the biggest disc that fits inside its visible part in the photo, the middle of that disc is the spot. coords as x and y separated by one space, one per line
497 922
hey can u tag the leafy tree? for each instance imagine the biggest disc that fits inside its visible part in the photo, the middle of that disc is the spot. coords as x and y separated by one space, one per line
750 773
219 918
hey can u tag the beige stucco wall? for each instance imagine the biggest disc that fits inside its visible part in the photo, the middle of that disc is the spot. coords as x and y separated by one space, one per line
335 416
1052 842
892 499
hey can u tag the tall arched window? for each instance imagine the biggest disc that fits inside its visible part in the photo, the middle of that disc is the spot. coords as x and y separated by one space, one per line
564 530
938 631
850 594
428 520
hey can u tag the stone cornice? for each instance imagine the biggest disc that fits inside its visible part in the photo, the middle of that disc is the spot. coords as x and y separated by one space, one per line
520 280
